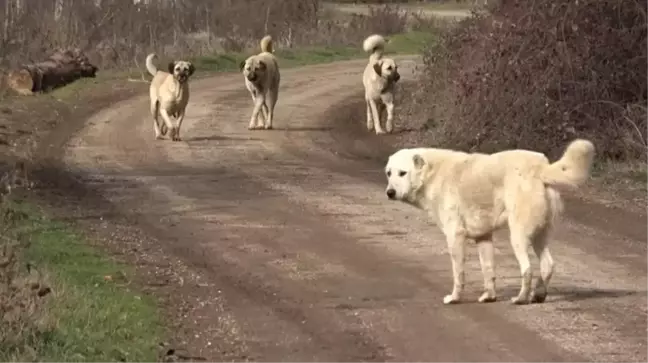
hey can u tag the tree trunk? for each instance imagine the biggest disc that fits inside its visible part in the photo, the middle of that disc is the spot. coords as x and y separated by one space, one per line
62 67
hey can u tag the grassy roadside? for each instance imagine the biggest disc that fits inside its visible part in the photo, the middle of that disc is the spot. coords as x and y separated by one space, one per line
91 313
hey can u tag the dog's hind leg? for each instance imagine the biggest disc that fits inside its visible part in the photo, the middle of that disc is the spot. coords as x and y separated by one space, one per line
376 117
539 243
486 259
520 240
155 105
270 103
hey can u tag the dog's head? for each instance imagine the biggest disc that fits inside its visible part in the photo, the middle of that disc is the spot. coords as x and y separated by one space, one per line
405 171
387 68
253 69
181 70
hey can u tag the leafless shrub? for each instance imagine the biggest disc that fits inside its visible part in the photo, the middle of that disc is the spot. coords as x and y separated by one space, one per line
119 33
535 74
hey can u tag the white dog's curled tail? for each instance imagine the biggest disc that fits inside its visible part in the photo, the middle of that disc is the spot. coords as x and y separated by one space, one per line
150 67
266 44
375 45
573 168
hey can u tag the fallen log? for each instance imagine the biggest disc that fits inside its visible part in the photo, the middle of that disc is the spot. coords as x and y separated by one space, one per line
61 68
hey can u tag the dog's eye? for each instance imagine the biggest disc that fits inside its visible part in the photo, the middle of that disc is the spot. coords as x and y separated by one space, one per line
389 68
388 173
402 173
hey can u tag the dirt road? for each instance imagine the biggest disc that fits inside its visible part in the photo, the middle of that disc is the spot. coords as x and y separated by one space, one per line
283 246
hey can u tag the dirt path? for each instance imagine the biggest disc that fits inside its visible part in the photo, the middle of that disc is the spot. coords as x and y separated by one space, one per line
283 246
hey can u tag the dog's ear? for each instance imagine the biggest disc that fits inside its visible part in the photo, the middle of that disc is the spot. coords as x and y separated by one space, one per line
262 65
241 65
378 68
170 67
419 162
192 69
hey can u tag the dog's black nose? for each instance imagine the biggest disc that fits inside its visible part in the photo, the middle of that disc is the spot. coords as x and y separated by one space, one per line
391 193
396 77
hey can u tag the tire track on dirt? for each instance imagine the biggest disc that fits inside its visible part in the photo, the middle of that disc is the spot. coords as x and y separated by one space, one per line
313 262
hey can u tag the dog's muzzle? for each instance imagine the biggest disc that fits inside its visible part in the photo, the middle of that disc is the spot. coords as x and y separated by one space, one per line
252 77
182 77
391 194
396 77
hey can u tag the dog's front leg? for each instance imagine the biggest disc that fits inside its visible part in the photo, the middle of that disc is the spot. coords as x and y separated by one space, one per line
181 116
168 122
389 124
376 117
486 259
456 243
370 125
156 126
258 104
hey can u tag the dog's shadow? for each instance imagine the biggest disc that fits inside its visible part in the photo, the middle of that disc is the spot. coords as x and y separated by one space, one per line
305 128
220 138
573 294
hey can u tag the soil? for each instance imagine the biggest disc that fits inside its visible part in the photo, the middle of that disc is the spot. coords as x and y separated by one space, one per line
281 246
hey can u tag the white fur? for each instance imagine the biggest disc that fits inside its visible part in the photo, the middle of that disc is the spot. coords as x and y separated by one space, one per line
262 79
379 78
469 196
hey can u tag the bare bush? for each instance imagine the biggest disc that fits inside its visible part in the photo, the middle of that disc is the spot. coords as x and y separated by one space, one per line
535 74
119 33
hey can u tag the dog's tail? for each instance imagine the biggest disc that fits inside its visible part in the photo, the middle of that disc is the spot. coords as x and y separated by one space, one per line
266 44
573 168
375 45
150 67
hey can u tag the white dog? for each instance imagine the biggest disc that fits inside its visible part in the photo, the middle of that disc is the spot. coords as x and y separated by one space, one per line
471 195
379 78
169 93
262 78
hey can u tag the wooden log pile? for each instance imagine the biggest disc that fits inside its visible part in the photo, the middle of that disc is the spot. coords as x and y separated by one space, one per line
64 66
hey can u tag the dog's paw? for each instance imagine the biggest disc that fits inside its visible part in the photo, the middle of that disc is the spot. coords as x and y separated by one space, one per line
450 299
539 298
487 297
380 132
268 127
159 137
518 300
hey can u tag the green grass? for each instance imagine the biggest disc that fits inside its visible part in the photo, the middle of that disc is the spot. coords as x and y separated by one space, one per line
407 43
93 319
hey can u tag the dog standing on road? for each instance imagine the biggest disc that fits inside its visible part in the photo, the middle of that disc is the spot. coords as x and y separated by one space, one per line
262 78
169 93
379 78
469 196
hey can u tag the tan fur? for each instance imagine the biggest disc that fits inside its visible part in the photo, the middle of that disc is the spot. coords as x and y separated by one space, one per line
470 196
262 79
169 94
379 80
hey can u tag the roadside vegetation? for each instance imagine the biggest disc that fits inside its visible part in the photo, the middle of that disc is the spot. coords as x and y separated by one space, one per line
62 297
535 75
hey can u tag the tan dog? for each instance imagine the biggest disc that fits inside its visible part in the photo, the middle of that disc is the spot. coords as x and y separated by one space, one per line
262 78
469 196
169 93
379 78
